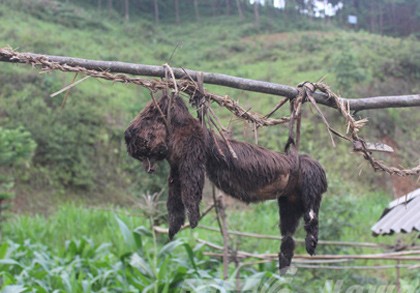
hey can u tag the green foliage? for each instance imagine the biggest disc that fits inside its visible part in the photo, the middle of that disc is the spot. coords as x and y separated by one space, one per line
60 133
83 266
16 146
100 249
348 70
58 13
409 60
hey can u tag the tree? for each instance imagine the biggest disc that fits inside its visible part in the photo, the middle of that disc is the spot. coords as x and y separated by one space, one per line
126 10
109 7
305 5
156 9
197 12
256 13
239 7
213 7
228 7
394 17
177 19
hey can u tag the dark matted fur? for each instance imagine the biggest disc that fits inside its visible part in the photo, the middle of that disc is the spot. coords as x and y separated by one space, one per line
257 174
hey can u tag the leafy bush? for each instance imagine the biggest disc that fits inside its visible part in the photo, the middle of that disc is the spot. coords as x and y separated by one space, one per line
59 13
16 148
348 70
68 139
83 266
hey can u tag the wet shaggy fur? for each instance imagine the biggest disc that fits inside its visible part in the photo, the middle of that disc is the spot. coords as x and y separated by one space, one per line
166 130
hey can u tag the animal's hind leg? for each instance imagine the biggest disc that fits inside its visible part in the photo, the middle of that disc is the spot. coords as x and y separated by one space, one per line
311 226
176 209
312 183
290 212
311 203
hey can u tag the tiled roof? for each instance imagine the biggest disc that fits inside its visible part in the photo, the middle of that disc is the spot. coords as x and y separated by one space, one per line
401 216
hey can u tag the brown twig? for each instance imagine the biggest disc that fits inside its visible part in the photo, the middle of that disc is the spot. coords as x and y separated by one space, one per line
166 230
217 124
221 220
160 111
313 102
278 106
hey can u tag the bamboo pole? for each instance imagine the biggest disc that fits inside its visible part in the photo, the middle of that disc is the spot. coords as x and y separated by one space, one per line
8 55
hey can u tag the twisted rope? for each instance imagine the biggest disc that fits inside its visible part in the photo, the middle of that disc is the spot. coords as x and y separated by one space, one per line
353 128
185 85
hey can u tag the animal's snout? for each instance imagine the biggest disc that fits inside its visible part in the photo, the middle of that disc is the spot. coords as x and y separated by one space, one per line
128 135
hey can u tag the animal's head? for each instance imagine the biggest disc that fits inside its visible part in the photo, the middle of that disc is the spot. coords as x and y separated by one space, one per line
146 136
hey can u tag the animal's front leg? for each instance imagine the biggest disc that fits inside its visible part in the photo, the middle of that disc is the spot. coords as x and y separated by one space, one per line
290 213
192 183
176 209
191 173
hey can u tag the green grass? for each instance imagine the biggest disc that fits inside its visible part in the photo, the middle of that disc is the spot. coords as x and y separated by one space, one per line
88 228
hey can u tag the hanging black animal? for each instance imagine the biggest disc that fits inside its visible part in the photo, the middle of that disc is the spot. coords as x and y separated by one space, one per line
166 130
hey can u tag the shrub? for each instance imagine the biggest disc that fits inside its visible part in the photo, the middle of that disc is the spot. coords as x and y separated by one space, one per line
16 148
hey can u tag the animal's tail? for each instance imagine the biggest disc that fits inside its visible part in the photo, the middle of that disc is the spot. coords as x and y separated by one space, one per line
293 155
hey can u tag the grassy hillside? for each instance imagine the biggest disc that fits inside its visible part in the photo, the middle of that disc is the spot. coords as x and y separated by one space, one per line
80 154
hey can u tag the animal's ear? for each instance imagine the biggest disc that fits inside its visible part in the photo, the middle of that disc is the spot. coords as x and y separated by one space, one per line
191 174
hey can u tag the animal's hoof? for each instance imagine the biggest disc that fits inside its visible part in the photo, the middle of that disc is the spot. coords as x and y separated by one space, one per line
311 242
194 217
173 230
283 271
193 223
171 234
284 262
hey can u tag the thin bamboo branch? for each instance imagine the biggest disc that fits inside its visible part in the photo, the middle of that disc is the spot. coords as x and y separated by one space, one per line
240 254
384 267
397 256
320 242
221 219
218 79
309 259
161 230
71 85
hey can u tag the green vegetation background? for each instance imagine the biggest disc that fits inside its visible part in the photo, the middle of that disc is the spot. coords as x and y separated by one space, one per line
78 222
